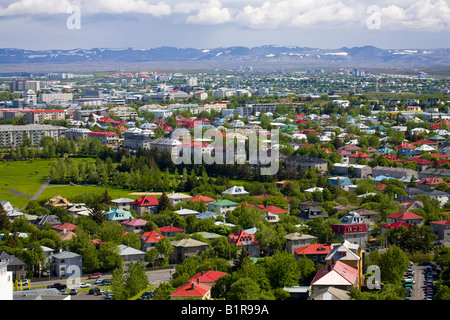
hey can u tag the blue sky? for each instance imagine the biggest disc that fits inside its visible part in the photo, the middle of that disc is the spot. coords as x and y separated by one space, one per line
42 24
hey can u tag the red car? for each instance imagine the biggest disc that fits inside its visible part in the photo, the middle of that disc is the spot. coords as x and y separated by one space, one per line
95 275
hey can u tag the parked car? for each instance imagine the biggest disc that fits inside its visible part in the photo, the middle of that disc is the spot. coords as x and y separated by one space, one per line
84 285
73 292
95 275
425 263
106 282
101 292
25 282
58 286
98 281
95 291
146 295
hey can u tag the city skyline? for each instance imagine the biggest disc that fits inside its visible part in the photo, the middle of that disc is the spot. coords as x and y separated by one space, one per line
65 24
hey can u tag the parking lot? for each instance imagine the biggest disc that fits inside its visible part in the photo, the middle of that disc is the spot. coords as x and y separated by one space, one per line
419 290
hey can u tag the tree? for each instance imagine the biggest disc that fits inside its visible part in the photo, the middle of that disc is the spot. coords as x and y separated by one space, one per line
163 292
244 289
137 279
98 214
393 264
5 223
164 203
282 270
164 248
118 285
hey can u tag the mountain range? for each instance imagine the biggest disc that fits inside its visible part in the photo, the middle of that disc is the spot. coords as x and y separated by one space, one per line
261 57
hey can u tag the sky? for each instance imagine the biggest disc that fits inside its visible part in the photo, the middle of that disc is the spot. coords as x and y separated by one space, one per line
203 24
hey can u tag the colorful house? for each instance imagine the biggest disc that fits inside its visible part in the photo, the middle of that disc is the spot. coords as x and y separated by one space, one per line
145 204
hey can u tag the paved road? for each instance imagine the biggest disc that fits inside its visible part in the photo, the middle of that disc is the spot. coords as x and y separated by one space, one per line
155 278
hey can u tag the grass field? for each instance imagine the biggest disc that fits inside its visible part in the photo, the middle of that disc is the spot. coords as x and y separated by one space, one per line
69 192
20 180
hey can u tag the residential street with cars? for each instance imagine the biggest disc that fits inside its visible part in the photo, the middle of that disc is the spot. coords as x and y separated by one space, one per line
88 282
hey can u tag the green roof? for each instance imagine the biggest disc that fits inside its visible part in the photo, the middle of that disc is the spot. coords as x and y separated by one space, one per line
223 202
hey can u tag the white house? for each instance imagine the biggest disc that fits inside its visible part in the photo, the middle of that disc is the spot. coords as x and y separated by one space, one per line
235 191
6 282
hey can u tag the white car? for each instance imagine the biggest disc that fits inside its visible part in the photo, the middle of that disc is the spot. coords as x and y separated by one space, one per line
25 282
98 281
84 285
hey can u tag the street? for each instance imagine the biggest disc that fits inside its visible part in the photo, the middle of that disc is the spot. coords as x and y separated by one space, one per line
155 277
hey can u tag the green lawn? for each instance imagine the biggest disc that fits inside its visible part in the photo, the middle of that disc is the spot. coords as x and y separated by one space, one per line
25 177
68 191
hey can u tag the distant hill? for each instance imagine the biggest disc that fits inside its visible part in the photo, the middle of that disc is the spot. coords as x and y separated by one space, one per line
262 57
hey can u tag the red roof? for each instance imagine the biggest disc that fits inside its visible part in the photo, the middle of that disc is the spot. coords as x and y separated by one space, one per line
404 215
420 161
191 289
151 236
146 201
103 133
426 141
431 181
65 226
360 155
442 222
170 229
381 187
396 225
134 222
45 111
202 198
406 145
275 210
241 238
317 248
207 276
347 272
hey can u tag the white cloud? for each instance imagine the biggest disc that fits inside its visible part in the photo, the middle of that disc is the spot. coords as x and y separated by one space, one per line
126 6
211 13
34 7
425 15
91 7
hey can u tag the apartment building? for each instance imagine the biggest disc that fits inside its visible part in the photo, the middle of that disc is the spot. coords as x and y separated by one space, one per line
11 136
39 116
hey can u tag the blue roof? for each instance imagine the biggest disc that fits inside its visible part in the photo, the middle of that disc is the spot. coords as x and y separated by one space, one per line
118 214
343 181
380 178
207 214
408 152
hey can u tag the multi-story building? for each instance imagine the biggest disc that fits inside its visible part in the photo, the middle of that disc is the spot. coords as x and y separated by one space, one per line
11 136
23 85
39 116
307 163
170 145
75 133
55 98
357 171
106 137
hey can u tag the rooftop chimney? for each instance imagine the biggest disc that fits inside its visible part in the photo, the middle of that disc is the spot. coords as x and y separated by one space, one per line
192 285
